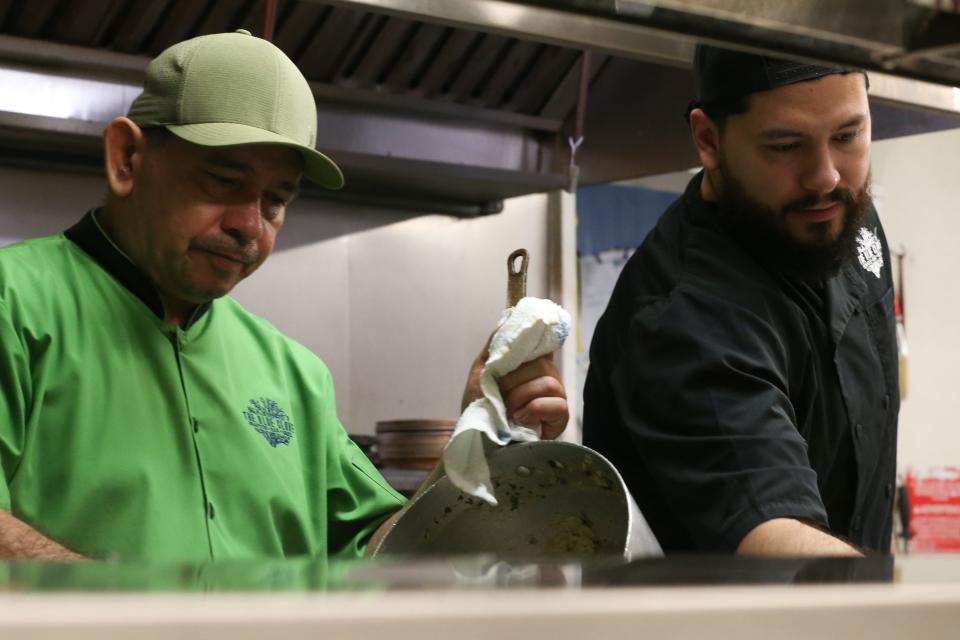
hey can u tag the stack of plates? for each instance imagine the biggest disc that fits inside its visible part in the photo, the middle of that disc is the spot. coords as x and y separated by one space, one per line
412 444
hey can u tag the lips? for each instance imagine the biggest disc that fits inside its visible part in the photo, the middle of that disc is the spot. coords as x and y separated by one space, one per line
821 213
228 256
226 261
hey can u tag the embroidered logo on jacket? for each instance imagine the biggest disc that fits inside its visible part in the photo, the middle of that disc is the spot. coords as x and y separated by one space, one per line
269 420
869 251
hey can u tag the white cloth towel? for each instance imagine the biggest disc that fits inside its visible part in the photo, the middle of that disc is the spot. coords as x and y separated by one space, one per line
533 328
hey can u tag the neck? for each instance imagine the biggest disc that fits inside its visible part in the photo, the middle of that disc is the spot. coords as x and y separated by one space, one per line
176 313
707 189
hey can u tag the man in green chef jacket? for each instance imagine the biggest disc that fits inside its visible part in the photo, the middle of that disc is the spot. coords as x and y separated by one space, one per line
144 415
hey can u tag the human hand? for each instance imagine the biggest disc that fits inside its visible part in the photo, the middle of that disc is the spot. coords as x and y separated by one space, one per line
532 393
472 390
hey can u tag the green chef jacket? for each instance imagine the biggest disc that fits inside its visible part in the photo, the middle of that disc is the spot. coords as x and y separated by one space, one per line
124 437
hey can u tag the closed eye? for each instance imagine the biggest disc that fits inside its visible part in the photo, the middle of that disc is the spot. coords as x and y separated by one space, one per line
784 148
223 179
847 136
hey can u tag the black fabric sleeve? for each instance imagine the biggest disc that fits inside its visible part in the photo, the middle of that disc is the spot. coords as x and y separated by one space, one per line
702 389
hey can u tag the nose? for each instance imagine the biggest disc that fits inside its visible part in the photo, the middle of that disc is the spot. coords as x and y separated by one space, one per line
242 219
821 175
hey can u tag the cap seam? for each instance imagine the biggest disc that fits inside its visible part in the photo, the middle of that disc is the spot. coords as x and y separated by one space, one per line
191 54
276 90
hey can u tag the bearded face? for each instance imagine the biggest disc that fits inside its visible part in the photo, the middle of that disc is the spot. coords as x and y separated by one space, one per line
767 232
791 174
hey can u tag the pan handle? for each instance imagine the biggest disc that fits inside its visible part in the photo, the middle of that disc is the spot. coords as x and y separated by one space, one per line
516 276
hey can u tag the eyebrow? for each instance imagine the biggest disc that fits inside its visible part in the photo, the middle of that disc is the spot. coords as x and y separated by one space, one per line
292 189
226 163
775 134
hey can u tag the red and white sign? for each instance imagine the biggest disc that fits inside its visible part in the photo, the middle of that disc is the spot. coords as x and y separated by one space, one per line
934 495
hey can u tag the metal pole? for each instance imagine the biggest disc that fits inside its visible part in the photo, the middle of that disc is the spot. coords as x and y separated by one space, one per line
582 94
269 20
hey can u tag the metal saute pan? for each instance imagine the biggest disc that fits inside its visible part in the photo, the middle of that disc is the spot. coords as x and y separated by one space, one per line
555 498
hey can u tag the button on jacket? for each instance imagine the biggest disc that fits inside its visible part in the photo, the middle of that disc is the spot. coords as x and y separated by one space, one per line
728 394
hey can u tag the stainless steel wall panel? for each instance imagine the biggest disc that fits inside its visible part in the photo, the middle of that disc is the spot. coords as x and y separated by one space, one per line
297 24
480 64
876 24
552 65
383 52
413 59
443 69
331 44
30 19
510 73
5 7
230 15
179 22
82 23
133 32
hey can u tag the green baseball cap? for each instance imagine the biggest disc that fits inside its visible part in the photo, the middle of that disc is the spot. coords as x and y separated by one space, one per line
231 89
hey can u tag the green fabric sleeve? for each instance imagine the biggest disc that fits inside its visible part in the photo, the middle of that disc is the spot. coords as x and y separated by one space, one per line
358 498
14 385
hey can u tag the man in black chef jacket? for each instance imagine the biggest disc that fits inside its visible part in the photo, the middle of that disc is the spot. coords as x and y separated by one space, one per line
744 375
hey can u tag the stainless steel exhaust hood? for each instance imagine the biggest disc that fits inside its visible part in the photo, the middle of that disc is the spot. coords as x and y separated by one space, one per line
917 39
453 105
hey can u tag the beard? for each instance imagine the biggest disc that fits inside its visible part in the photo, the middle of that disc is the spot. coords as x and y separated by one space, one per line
764 233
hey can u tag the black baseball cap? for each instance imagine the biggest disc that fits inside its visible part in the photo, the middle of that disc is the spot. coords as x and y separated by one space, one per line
724 74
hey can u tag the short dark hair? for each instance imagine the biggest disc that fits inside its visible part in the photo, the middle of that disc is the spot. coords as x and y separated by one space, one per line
156 135
719 110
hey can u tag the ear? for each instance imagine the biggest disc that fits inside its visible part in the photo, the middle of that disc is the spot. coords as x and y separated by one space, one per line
706 137
123 146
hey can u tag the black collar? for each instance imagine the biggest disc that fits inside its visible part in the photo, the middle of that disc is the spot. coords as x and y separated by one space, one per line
88 235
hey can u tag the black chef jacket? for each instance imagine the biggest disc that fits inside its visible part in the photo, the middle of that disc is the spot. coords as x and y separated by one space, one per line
727 394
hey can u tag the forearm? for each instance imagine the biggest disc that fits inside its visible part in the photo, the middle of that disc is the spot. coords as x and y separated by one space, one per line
20 541
788 537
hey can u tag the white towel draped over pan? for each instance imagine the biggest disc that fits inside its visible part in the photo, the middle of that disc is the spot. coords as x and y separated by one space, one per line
533 328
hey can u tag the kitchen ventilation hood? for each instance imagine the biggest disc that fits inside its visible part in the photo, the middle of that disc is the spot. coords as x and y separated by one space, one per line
454 105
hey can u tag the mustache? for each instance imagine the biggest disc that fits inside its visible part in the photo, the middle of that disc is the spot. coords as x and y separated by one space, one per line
840 194
247 253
